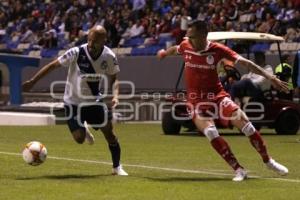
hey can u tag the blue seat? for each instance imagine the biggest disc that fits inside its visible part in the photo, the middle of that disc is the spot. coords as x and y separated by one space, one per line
152 50
260 47
49 53
12 45
134 42
137 51
163 40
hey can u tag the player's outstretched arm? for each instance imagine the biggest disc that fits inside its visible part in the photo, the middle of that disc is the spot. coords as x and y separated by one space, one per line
164 53
278 84
27 85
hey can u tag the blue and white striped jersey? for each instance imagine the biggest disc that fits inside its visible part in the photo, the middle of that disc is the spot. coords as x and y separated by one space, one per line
86 76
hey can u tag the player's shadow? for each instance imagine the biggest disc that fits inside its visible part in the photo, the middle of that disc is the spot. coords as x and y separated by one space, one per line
189 179
234 133
64 177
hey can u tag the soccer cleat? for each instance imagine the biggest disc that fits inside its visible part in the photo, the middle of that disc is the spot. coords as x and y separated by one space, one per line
240 175
119 171
89 137
279 168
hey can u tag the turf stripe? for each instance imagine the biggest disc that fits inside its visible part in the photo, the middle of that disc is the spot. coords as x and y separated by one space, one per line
205 172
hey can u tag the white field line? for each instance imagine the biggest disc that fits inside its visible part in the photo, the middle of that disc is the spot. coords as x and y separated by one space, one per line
206 172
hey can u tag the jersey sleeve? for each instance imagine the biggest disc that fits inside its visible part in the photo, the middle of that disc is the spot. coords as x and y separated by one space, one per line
179 49
228 53
113 65
68 57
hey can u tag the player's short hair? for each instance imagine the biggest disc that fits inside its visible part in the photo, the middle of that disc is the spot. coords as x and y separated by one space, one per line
200 26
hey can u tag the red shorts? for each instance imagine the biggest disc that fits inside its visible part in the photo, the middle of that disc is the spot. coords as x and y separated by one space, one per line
220 109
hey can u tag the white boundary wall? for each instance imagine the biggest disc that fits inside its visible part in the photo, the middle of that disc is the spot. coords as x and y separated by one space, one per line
26 119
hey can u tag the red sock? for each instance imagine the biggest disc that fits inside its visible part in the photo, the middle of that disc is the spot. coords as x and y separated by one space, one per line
221 146
259 144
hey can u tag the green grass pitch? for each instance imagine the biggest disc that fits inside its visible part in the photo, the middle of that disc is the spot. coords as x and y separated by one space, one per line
160 167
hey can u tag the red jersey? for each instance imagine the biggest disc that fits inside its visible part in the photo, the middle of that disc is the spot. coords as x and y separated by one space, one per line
201 77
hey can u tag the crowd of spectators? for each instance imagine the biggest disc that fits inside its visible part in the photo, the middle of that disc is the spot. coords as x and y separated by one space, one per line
59 24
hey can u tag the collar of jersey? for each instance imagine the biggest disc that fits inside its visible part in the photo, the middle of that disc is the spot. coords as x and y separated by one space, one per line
206 48
90 57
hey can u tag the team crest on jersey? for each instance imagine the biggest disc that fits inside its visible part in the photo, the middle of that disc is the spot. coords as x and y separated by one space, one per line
104 65
210 59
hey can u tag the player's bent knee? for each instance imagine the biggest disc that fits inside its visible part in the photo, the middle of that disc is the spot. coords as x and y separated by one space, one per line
211 132
239 115
79 136
248 129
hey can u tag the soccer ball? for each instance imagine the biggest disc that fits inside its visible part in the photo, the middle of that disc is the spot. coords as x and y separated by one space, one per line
34 153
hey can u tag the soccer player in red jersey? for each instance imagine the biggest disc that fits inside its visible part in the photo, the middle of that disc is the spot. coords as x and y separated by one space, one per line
205 94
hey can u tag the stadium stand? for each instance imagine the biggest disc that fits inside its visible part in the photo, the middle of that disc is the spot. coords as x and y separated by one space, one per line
49 26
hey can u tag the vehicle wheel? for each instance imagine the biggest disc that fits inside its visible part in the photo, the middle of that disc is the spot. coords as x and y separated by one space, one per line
288 123
169 125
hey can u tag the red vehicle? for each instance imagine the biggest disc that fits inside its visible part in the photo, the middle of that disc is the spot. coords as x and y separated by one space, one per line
270 111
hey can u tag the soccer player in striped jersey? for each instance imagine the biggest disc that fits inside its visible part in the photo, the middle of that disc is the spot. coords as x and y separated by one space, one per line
89 66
